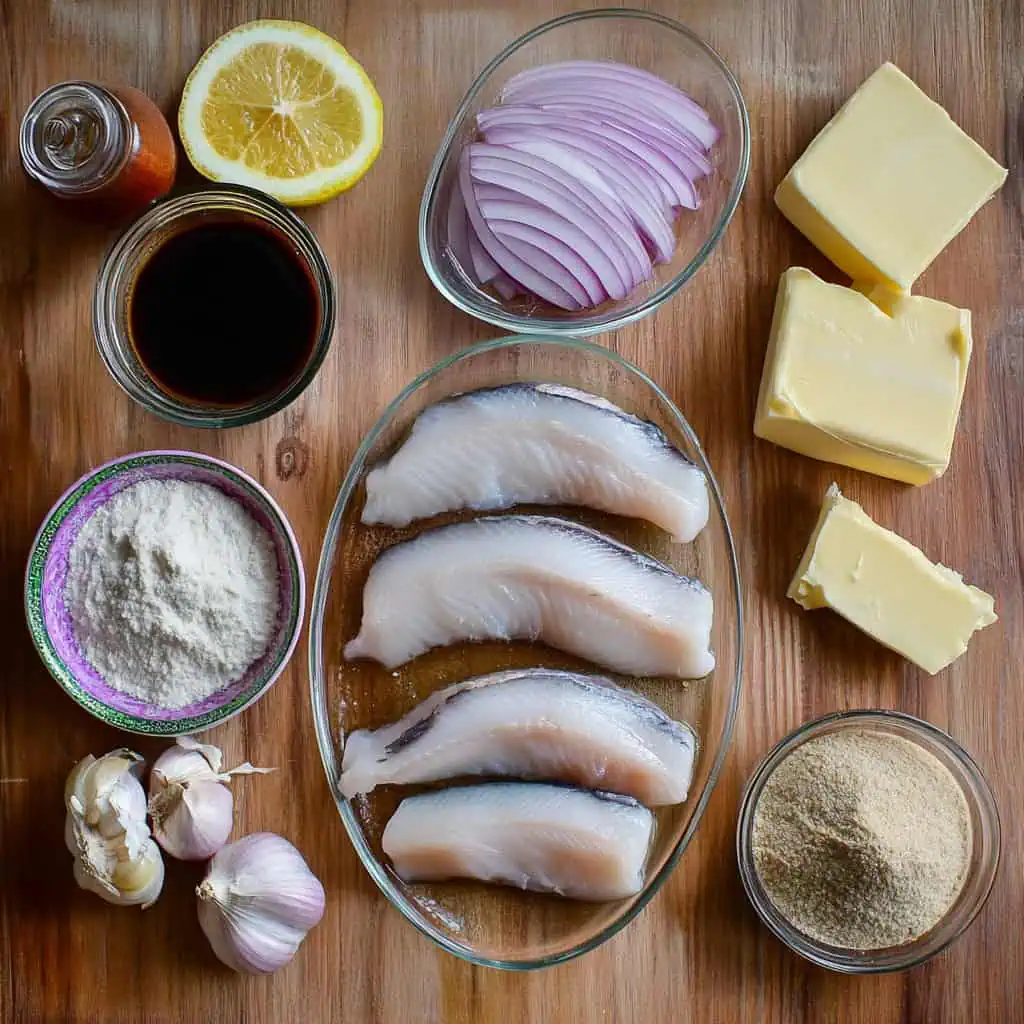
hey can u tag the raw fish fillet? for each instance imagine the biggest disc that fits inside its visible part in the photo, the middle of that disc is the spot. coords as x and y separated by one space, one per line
537 444
589 846
535 578
533 723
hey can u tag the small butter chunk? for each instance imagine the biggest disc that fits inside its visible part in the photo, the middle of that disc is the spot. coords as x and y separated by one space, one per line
887 587
845 381
888 183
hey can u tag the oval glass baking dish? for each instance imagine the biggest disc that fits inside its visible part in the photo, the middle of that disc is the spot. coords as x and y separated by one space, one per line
485 924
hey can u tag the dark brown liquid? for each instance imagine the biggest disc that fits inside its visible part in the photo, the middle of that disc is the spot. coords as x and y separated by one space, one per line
224 313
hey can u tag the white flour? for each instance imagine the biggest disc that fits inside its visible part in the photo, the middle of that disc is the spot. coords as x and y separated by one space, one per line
173 591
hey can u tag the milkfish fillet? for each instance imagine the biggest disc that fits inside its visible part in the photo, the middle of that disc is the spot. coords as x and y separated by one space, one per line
532 723
535 578
589 846
538 444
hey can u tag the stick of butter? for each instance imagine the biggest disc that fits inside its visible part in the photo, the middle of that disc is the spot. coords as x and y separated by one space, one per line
846 381
887 587
888 183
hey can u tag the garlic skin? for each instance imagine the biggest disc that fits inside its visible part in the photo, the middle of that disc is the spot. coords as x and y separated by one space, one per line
257 902
191 807
105 830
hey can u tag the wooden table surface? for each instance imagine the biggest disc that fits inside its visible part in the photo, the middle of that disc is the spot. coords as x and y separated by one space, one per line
697 953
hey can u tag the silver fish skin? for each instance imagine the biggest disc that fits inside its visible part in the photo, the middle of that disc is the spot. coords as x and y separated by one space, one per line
535 578
531 723
529 835
536 444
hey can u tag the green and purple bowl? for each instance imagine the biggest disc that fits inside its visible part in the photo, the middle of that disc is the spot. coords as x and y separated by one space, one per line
49 621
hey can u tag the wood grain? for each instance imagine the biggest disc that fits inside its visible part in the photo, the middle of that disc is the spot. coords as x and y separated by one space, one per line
697 953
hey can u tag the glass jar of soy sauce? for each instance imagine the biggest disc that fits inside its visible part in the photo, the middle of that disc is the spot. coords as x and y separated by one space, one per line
110 151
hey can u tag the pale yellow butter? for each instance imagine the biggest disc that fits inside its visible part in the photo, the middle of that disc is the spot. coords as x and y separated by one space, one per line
887 587
888 182
846 382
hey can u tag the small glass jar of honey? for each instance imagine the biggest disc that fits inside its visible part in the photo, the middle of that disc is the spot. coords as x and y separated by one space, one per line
109 150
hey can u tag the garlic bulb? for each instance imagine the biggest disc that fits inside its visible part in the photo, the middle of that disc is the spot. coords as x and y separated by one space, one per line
191 808
106 832
257 902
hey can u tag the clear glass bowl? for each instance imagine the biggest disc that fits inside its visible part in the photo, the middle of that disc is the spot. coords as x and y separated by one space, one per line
130 252
491 925
984 853
645 40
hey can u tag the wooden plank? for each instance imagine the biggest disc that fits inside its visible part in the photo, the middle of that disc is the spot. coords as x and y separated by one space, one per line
697 953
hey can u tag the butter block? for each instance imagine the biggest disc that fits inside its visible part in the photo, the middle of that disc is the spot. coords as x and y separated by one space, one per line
888 182
877 389
887 587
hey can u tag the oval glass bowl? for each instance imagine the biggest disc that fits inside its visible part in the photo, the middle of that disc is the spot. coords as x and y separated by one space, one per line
984 854
485 924
50 623
648 41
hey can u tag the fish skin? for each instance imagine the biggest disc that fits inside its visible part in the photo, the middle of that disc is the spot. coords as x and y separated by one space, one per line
530 723
529 835
536 444
535 578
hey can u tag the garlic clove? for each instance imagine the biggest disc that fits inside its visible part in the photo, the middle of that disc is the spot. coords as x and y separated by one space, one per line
257 902
192 823
105 830
108 790
191 809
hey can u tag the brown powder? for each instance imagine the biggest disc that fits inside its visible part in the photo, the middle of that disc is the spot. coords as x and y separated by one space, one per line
862 839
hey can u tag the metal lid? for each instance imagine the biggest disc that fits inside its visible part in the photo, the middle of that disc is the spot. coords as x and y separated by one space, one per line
74 137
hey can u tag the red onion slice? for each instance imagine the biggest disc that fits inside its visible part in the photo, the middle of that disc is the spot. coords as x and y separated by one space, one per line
587 77
505 286
458 234
682 151
561 289
587 137
527 175
648 217
523 229
484 268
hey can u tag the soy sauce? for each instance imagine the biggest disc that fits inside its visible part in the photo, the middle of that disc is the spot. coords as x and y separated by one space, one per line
224 313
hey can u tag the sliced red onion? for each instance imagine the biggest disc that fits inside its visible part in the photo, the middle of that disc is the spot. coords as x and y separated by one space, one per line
591 76
502 204
588 137
498 165
483 267
668 139
458 233
561 289
524 230
648 217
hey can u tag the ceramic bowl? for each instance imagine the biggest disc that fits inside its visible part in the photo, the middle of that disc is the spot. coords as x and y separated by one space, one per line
486 924
49 621
643 39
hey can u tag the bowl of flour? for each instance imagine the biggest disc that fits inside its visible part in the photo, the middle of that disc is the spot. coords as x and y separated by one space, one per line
165 592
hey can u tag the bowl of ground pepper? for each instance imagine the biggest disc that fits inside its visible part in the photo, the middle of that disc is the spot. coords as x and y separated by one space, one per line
868 841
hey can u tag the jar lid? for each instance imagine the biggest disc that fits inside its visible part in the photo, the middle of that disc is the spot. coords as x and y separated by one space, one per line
74 137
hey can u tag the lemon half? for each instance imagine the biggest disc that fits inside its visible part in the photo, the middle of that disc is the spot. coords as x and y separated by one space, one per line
284 108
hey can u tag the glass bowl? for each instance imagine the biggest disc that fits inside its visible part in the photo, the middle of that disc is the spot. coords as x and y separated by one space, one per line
984 853
49 621
484 924
127 257
645 40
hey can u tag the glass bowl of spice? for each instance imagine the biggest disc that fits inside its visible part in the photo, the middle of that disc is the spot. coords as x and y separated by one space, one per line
868 841
164 592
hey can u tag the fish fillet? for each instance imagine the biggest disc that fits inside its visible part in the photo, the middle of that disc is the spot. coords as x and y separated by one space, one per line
532 723
538 444
589 846
535 578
